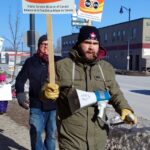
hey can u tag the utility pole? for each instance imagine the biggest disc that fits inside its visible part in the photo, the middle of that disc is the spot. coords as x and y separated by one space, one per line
31 35
128 49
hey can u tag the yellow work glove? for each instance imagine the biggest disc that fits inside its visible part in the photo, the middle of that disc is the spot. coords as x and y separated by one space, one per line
51 91
128 117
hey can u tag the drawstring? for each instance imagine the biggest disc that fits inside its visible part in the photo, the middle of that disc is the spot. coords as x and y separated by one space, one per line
73 74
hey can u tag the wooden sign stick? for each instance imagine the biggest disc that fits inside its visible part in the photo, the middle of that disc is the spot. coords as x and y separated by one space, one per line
51 67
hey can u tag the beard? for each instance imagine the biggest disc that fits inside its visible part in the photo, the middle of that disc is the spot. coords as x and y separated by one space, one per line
44 57
88 56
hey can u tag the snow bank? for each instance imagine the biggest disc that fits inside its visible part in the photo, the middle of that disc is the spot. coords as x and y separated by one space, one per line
128 137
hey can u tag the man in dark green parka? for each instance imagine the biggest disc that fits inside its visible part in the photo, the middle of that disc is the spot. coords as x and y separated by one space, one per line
85 70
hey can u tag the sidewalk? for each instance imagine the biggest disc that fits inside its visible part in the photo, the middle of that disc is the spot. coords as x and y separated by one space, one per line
14 128
12 135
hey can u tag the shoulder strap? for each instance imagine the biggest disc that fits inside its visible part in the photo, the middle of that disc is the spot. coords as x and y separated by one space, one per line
101 71
73 73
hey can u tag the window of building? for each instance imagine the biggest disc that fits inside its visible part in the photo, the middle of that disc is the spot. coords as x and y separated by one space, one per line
70 42
123 34
118 35
64 43
134 33
113 36
105 37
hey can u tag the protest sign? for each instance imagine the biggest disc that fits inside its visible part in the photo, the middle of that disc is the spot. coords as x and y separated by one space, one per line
48 7
91 9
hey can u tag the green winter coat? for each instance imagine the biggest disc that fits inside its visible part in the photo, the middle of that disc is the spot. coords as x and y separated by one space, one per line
82 130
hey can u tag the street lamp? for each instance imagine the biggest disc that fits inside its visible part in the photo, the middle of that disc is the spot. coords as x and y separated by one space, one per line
128 50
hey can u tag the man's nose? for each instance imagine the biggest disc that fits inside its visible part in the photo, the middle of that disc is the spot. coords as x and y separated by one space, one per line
91 45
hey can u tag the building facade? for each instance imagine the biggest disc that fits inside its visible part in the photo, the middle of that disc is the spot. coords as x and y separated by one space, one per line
8 57
127 44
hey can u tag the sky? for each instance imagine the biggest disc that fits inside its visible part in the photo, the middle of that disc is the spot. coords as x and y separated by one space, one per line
62 23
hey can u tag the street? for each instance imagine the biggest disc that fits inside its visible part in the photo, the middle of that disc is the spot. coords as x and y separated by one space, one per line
136 89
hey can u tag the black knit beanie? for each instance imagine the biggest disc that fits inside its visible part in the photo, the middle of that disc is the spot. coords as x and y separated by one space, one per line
41 39
88 32
92 33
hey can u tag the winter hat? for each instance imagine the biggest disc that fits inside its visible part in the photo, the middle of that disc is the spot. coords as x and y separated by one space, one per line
88 32
41 39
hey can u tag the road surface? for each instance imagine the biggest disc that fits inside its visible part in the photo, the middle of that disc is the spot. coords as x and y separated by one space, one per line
136 89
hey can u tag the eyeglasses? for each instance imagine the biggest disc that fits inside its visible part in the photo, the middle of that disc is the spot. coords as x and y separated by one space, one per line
44 44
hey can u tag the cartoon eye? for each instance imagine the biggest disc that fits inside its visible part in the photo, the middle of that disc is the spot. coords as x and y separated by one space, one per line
95 5
87 3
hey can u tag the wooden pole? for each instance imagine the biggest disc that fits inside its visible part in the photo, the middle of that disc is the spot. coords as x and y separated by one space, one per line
51 67
89 23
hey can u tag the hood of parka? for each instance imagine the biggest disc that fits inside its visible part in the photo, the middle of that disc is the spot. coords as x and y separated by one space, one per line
77 57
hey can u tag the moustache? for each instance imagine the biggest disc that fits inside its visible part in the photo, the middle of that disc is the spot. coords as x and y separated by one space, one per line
93 53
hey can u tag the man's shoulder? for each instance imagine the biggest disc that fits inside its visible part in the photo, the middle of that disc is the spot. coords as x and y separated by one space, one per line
105 63
30 61
64 61
31 58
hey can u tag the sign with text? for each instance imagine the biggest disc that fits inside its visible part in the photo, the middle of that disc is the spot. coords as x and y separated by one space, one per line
91 9
5 90
47 6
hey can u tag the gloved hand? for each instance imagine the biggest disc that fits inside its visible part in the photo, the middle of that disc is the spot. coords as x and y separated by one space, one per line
22 100
128 117
51 91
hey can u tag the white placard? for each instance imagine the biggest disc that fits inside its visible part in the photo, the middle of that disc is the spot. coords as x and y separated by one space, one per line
48 6
5 92
86 98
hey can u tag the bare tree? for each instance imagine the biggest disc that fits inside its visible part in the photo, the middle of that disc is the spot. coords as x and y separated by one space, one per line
16 36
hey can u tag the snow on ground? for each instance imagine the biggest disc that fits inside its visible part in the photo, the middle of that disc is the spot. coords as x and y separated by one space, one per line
129 137
136 89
